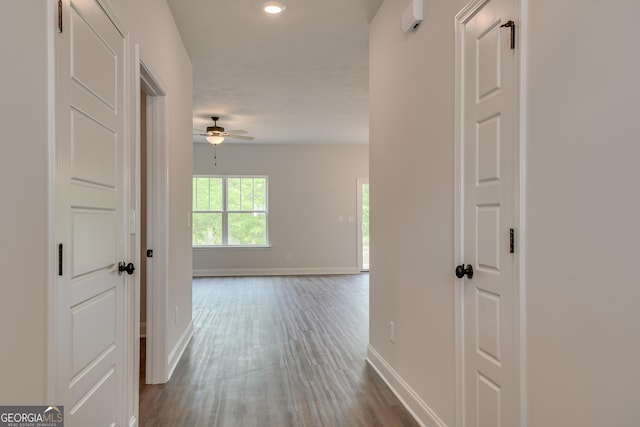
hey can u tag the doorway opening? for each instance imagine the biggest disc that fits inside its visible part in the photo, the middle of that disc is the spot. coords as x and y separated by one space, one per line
142 271
152 228
363 224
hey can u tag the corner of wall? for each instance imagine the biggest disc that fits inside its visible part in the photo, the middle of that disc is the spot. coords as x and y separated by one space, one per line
420 411
179 349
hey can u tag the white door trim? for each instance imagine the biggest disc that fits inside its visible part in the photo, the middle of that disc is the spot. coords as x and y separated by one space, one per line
521 147
461 18
52 302
157 367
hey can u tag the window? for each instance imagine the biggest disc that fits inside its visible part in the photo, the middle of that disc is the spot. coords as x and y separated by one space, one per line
230 211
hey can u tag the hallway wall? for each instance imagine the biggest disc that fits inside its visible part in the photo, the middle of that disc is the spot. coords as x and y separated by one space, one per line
412 202
581 209
24 188
582 213
152 26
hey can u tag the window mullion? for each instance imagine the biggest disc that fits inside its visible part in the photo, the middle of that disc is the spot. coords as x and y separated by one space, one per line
225 210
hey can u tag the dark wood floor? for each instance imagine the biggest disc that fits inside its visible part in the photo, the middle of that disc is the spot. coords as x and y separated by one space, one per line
276 351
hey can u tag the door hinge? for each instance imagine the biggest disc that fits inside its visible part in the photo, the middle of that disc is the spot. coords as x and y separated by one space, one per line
59 16
512 25
512 241
60 259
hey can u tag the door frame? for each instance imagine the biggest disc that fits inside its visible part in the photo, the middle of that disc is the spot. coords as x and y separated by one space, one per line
519 173
359 245
52 295
157 357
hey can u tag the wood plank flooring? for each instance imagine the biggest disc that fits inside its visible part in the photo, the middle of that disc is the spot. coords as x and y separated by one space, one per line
276 351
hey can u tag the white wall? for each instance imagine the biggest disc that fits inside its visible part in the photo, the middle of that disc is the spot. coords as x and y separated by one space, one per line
412 200
582 209
151 25
583 213
310 187
24 228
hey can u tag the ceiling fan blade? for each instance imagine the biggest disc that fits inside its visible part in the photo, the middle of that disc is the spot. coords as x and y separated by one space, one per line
237 131
242 137
200 134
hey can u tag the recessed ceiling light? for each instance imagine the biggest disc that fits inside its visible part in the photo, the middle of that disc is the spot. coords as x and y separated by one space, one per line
273 7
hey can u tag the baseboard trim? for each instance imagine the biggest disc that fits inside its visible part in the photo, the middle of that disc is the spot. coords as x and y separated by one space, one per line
422 413
221 272
179 348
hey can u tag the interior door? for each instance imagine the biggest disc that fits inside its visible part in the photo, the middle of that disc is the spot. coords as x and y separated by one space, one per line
489 214
90 216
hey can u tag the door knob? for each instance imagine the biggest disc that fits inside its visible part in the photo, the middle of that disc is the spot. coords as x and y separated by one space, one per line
129 268
461 271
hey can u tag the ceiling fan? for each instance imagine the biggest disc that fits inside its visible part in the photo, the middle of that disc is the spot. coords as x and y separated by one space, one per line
216 134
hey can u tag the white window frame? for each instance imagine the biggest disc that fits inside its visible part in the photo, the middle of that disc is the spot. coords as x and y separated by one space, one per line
225 212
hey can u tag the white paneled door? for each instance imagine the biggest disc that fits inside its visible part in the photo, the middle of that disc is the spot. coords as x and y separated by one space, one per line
489 202
90 216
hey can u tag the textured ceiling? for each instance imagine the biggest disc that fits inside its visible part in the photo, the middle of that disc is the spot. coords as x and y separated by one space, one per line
299 77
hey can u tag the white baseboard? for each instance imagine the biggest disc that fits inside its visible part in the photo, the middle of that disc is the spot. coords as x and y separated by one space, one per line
220 272
143 329
422 413
179 348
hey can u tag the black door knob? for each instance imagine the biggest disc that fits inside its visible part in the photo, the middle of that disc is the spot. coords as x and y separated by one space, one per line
461 271
129 268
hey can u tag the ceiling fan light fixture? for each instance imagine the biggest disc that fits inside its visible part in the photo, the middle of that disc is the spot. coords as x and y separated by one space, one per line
215 140
273 7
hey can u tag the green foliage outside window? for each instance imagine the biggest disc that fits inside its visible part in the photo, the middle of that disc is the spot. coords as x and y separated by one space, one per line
365 215
247 229
207 229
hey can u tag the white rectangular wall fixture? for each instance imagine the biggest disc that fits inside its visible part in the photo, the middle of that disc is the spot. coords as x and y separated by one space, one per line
412 16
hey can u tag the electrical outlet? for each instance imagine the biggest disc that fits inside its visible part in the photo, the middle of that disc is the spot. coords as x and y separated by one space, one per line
392 332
